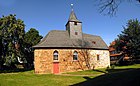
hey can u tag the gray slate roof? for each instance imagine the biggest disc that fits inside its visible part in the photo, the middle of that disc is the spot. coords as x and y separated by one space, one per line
73 17
61 39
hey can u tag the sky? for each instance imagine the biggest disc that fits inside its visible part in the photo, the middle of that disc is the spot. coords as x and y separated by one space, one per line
46 15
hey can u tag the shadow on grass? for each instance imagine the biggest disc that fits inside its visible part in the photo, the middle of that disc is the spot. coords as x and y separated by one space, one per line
128 77
119 70
99 71
15 70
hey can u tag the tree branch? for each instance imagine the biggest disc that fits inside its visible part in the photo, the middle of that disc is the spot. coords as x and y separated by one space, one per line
110 7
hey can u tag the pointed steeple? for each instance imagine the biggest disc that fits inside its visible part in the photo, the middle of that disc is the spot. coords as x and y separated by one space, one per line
73 17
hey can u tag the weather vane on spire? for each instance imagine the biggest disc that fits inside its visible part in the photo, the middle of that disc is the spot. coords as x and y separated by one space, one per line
72 7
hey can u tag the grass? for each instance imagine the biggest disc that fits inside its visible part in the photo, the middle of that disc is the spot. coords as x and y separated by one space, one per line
104 70
111 78
89 72
30 79
129 66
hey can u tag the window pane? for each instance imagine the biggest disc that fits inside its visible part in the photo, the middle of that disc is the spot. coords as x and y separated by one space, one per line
75 56
55 55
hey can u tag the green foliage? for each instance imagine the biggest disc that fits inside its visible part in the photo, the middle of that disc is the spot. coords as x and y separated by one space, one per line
129 40
15 44
11 33
112 66
32 37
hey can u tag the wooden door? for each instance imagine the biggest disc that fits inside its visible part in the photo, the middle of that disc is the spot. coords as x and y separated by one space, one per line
56 67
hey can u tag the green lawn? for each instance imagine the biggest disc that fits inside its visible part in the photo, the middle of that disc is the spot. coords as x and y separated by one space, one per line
31 79
96 78
104 70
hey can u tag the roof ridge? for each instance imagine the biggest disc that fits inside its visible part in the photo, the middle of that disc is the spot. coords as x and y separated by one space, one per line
56 30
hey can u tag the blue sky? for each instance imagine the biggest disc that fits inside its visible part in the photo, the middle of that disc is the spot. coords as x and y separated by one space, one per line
46 15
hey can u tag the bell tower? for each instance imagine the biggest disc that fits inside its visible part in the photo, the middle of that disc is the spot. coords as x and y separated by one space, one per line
74 26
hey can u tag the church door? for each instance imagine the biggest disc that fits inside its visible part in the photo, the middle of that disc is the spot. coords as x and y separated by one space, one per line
56 67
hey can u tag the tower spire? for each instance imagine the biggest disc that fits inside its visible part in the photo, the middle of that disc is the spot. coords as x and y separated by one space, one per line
72 15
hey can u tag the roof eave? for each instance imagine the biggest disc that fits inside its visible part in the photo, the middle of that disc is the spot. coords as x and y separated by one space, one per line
43 47
73 21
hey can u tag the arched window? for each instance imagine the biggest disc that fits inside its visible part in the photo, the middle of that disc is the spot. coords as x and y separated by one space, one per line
75 55
55 55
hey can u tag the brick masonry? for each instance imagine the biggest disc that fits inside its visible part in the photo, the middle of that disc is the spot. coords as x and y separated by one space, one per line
87 59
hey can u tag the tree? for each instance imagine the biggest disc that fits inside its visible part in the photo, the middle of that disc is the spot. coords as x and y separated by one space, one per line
11 40
110 6
31 38
129 40
15 44
0 52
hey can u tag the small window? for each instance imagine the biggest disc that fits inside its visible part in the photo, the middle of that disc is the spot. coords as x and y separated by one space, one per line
76 33
55 55
75 23
93 42
75 55
98 57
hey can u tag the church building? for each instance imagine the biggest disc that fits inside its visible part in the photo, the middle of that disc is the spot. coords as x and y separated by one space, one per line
70 50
